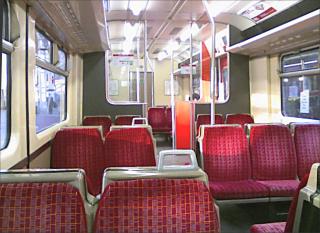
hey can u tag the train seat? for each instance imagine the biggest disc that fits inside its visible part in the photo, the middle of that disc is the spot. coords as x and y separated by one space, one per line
157 119
80 147
239 118
226 160
124 119
104 121
157 199
281 227
43 201
129 146
205 119
273 158
307 143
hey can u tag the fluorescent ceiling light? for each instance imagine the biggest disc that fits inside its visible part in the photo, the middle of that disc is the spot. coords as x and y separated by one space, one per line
173 45
127 46
116 5
136 6
217 7
162 55
185 35
130 31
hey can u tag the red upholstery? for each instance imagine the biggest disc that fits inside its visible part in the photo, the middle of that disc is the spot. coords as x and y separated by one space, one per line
156 205
272 153
307 142
169 118
129 147
241 119
103 121
226 153
282 227
41 207
157 120
277 227
281 188
80 148
237 189
124 120
204 119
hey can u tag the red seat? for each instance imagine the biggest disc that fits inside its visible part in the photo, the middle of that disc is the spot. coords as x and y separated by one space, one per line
169 118
281 227
156 205
241 119
129 147
80 148
205 119
157 120
124 120
273 158
41 207
307 142
227 163
103 121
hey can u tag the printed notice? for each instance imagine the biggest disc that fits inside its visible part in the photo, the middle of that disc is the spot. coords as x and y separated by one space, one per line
304 101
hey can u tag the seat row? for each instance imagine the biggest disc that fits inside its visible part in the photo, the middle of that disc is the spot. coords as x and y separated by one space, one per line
133 200
84 147
237 118
267 167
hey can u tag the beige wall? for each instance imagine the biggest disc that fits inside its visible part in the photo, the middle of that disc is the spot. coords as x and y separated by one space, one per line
162 71
16 150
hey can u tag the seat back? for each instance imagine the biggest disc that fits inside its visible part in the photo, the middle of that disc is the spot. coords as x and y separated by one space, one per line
272 152
240 118
307 143
132 146
225 152
80 148
43 201
169 118
157 119
124 119
205 119
157 205
104 121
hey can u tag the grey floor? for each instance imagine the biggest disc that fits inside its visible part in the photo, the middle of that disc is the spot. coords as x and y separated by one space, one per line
238 218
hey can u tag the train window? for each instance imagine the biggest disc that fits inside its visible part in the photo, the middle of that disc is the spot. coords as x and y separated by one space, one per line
50 97
50 84
5 98
62 60
5 102
44 47
300 85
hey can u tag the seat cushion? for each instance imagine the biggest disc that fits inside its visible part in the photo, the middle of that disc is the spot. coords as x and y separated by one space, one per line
238 189
281 188
277 227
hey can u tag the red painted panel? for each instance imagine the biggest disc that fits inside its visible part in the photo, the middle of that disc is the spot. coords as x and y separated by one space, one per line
183 128
205 62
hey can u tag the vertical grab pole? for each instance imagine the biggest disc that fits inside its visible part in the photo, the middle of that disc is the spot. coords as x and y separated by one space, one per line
172 103
138 68
145 91
213 61
190 65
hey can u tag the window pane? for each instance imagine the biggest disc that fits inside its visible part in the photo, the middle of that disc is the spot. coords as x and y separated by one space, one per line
5 104
5 23
301 97
62 59
303 61
43 47
50 98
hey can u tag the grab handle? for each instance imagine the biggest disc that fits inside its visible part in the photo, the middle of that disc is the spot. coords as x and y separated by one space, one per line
135 119
164 153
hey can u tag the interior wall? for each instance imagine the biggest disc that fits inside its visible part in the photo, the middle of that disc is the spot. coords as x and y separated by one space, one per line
94 90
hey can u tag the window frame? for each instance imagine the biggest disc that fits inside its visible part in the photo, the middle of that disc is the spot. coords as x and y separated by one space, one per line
50 67
7 48
295 74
